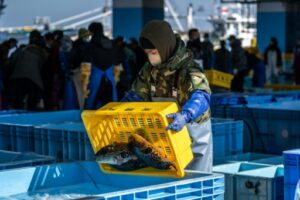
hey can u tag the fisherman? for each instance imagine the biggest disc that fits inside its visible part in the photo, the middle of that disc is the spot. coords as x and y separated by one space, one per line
171 75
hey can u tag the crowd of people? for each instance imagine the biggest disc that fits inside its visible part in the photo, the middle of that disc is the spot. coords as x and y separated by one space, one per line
37 76
244 64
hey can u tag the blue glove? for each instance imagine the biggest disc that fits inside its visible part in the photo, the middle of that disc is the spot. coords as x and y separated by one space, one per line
132 96
191 110
179 120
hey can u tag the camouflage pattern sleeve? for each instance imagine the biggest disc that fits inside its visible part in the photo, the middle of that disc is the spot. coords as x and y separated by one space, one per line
196 80
141 85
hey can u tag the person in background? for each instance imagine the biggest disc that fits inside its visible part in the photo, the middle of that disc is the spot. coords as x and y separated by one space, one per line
48 71
194 44
58 77
79 49
27 83
242 80
71 60
208 52
296 62
140 57
103 58
238 55
273 61
257 64
5 47
5 69
223 59
128 62
171 74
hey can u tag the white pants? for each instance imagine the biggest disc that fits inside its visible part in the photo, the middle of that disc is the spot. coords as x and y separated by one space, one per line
271 74
201 135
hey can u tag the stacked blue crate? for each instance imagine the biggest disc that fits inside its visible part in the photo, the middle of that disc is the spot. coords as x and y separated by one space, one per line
230 171
12 112
291 172
66 142
251 157
264 183
227 137
10 160
85 180
284 96
239 98
270 128
16 132
232 99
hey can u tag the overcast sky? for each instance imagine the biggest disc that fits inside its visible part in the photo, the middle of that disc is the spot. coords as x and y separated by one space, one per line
23 12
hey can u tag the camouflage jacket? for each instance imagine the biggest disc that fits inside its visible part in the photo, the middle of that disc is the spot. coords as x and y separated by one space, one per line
176 78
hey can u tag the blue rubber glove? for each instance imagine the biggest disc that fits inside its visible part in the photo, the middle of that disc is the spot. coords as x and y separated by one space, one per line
197 104
179 120
132 96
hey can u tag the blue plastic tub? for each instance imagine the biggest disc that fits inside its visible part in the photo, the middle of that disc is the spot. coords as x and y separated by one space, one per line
230 171
270 128
276 160
292 166
9 159
227 137
66 142
289 191
86 180
240 98
251 157
16 132
12 112
264 183
288 105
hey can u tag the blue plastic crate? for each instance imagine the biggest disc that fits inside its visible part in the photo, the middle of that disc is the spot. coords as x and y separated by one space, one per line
264 183
86 180
289 192
12 112
257 99
68 141
227 137
292 166
251 157
10 160
287 106
230 171
270 128
240 98
16 131
282 96
276 160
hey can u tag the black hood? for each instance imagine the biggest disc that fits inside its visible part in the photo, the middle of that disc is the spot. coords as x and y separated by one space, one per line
161 35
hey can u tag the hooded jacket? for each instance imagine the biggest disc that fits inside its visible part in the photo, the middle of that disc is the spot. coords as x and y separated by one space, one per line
177 70
29 64
161 35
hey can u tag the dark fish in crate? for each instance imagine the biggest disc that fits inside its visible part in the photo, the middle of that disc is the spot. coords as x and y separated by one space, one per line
151 155
119 156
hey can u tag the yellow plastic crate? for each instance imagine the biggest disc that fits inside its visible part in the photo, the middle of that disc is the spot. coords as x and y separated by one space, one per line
279 87
218 78
115 122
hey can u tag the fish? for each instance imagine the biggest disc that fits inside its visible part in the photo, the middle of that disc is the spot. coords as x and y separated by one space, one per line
151 155
120 157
